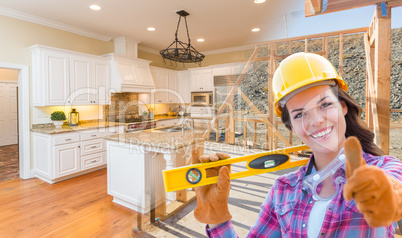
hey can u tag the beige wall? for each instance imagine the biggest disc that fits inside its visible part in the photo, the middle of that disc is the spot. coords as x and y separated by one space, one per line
18 35
8 75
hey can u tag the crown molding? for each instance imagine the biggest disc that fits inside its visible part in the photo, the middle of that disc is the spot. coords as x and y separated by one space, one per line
148 50
53 24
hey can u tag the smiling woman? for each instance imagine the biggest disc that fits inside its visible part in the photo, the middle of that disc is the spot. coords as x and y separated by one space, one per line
311 98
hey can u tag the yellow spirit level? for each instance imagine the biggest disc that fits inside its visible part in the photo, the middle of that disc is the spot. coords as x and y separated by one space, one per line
195 175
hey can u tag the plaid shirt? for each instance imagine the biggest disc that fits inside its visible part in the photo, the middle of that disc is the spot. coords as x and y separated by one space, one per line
286 209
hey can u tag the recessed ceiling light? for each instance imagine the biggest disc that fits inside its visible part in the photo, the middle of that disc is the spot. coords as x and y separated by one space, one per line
95 7
200 40
259 1
151 29
255 29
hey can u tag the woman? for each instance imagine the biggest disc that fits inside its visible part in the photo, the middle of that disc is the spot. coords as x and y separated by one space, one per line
312 101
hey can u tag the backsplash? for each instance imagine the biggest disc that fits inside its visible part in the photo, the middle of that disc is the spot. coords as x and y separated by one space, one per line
124 106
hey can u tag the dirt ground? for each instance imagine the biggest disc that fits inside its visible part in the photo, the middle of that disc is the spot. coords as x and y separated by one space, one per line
246 196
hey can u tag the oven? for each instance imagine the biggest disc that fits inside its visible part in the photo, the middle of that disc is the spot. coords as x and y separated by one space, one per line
202 99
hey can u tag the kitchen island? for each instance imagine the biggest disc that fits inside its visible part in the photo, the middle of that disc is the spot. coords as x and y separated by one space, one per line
135 162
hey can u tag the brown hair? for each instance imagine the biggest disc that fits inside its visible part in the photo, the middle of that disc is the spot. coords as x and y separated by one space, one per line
355 126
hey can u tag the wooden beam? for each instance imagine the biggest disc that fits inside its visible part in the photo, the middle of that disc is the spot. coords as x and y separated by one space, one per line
315 5
341 5
383 74
371 102
341 55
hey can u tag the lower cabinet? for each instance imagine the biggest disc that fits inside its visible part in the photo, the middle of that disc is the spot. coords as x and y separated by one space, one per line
62 156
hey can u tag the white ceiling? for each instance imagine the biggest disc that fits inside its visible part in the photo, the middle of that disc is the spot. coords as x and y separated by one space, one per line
222 23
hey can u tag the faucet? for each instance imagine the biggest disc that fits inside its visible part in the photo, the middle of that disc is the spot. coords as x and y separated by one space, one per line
189 123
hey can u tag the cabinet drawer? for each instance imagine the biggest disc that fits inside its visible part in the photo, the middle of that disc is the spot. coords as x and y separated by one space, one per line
67 138
91 135
91 161
92 146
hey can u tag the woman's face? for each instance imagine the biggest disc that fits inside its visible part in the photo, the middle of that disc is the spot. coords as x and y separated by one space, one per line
318 118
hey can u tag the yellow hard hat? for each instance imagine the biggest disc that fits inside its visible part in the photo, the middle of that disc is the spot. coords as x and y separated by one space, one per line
300 71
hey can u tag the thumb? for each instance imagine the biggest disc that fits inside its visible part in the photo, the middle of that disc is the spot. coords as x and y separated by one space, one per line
223 185
353 154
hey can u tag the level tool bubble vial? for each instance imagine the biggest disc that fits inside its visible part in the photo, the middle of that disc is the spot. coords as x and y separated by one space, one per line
193 176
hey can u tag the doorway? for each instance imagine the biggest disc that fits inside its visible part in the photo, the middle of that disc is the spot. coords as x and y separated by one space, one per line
21 149
9 163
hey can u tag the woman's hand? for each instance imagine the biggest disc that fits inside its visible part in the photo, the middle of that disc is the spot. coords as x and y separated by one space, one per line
377 195
212 200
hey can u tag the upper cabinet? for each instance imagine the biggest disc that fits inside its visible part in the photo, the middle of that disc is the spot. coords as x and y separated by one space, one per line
166 85
201 80
63 77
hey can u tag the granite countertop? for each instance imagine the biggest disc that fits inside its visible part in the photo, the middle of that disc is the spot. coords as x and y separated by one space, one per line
51 129
159 138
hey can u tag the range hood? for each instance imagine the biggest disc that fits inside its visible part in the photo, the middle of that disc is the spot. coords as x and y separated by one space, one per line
128 73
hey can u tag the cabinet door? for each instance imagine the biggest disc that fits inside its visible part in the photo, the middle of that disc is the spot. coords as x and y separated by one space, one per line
81 81
102 82
207 81
67 159
56 73
183 86
173 94
195 81
162 84
202 80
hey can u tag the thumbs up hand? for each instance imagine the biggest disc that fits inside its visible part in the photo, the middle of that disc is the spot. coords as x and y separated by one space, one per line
377 195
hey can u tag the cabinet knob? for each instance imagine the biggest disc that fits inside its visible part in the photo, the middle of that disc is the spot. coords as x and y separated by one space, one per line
67 139
93 135
93 161
93 147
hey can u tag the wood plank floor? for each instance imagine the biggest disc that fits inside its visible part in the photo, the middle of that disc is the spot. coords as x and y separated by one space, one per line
78 207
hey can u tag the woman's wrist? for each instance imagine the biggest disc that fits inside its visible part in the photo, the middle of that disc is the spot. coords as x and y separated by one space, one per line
212 226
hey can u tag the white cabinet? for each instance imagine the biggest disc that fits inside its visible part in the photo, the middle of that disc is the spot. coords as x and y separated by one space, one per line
61 156
202 80
64 77
166 86
183 86
66 159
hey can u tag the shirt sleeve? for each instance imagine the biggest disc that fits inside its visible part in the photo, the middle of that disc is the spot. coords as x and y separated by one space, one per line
223 230
391 166
267 224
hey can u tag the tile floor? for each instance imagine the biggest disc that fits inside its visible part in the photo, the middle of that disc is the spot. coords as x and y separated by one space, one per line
9 165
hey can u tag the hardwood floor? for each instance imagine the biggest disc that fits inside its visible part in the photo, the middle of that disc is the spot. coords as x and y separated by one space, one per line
78 207
9 164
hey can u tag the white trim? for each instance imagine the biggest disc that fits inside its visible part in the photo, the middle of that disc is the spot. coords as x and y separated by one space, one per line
53 24
24 143
148 50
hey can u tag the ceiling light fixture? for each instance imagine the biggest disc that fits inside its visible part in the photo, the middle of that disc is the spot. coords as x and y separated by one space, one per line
151 29
255 29
259 1
179 51
200 40
95 7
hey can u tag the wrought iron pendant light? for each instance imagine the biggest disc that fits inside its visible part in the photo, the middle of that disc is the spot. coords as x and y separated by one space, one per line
179 51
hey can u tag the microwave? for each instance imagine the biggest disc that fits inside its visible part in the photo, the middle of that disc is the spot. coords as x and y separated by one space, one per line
202 98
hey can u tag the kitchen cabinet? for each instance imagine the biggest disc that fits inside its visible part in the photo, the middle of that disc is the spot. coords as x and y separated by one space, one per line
183 86
61 156
201 80
63 77
166 86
